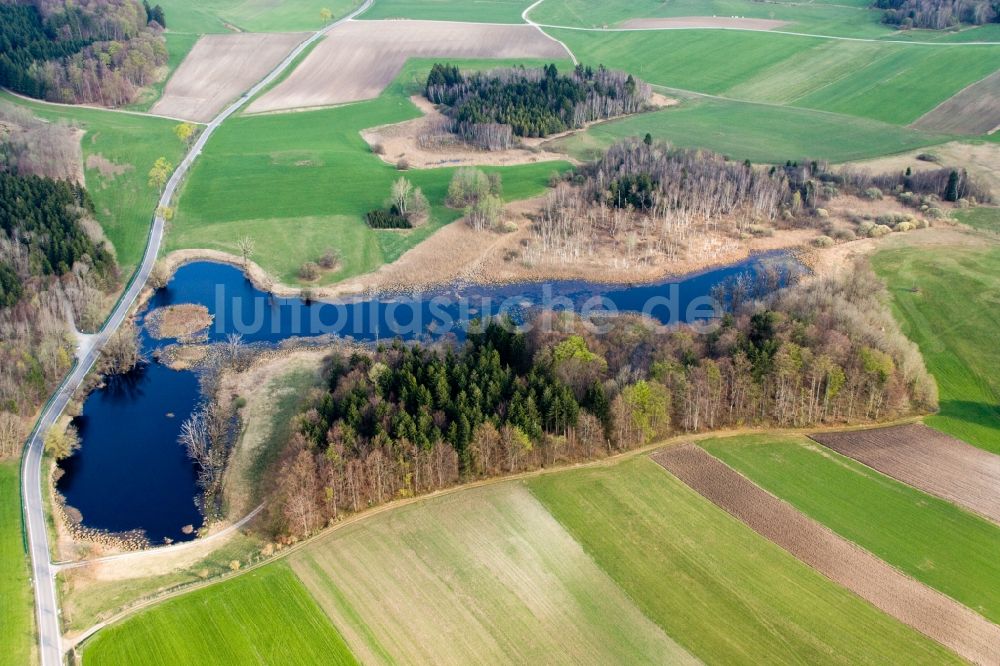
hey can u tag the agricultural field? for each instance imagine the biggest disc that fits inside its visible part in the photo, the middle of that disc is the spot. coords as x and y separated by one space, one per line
17 624
845 19
118 151
485 572
473 11
301 182
929 539
720 590
974 110
179 44
357 60
224 16
262 616
946 300
218 69
895 83
984 219
762 133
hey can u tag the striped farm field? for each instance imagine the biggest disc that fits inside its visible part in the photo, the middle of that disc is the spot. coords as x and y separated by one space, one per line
929 539
484 572
264 616
895 83
719 589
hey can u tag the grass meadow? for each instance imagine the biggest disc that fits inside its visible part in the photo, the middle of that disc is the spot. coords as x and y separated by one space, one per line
895 83
130 144
927 538
208 16
716 587
947 300
984 219
757 132
301 182
484 572
474 11
263 616
17 625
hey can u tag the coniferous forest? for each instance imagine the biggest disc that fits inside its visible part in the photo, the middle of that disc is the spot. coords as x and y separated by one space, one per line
490 108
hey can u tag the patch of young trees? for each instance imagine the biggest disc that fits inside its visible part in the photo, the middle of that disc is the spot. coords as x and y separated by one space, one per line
101 51
489 109
479 195
406 207
34 147
408 419
938 14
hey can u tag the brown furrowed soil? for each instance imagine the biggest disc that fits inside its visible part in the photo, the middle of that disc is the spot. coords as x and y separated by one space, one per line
926 610
702 22
218 69
972 110
927 460
358 59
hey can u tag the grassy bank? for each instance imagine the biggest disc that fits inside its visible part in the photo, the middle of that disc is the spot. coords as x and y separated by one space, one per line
946 301
207 16
17 624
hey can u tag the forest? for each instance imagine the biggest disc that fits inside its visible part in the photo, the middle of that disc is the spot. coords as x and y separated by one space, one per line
53 263
407 419
100 51
938 14
489 109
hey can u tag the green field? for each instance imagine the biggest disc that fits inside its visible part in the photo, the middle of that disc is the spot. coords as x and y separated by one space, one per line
301 182
894 83
264 616
946 300
985 219
927 538
758 132
17 624
475 11
131 143
208 16
835 18
484 572
720 590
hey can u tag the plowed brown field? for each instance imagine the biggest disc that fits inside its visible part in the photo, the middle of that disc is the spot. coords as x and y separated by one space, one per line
218 69
911 602
358 59
928 460
973 110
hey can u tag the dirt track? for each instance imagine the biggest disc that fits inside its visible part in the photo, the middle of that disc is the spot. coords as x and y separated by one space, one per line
703 22
911 602
928 460
220 68
359 59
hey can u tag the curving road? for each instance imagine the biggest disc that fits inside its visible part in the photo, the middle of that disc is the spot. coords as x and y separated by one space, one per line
43 570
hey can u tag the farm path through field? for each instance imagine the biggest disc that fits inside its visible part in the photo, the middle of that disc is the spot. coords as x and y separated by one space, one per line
928 460
911 602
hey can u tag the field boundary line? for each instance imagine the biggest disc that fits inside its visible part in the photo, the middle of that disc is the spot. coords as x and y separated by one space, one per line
91 107
527 19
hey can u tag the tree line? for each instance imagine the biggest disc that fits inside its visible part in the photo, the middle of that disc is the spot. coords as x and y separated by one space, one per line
102 51
489 109
407 419
938 14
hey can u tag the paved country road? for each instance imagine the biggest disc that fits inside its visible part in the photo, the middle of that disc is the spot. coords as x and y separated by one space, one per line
43 571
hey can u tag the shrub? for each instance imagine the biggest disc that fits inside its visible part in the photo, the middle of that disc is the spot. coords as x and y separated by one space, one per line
928 157
402 165
842 234
865 228
823 241
934 213
822 213
329 259
879 230
381 218
873 193
905 226
309 271
378 149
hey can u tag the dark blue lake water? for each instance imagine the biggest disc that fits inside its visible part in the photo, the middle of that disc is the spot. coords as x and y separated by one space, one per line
131 473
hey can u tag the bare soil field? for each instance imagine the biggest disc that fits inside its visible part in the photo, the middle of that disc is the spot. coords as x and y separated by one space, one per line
358 59
926 610
972 110
702 22
218 69
927 460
